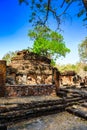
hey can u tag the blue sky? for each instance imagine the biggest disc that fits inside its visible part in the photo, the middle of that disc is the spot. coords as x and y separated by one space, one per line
14 28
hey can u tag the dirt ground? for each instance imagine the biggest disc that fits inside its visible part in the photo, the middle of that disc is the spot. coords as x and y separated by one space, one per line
60 121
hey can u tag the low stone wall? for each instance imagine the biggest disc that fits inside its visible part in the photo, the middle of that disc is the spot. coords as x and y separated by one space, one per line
29 90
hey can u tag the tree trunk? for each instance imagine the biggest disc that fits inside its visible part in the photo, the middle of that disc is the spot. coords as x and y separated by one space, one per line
85 3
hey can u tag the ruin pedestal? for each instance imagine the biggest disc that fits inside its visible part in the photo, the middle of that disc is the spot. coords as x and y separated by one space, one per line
2 77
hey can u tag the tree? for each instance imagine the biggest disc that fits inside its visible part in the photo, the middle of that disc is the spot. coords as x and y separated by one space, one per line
85 68
41 10
47 42
82 49
8 56
67 67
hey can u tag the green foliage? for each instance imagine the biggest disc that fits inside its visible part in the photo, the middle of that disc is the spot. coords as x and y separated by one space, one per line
8 56
67 67
53 63
82 49
78 67
70 67
85 68
47 42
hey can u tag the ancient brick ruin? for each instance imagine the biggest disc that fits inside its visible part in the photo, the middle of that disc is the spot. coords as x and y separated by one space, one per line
71 78
28 74
67 78
28 68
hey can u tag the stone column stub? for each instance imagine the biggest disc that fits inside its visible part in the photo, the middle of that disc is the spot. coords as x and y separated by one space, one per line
2 77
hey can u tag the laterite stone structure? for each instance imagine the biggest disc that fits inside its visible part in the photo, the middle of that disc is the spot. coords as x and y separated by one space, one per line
2 77
28 74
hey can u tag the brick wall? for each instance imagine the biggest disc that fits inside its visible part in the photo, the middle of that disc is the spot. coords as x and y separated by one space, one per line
29 90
